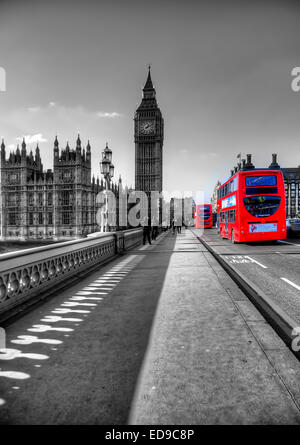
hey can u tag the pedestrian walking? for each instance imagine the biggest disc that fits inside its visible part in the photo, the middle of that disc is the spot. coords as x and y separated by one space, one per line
173 226
146 231
154 229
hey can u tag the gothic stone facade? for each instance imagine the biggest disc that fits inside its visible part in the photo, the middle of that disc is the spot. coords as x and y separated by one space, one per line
53 204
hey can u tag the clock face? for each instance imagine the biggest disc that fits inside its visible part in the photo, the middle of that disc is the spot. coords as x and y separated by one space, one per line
147 127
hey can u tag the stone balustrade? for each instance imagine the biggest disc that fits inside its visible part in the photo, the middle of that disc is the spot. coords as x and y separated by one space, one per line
27 274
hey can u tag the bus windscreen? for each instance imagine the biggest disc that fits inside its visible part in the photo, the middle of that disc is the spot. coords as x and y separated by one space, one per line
262 206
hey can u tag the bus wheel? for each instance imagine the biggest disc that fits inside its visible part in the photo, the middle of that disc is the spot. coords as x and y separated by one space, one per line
232 237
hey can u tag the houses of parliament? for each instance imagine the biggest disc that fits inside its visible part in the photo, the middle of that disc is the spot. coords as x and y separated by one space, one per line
61 203
53 204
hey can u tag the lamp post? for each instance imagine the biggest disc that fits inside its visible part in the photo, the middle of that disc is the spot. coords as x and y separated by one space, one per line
107 170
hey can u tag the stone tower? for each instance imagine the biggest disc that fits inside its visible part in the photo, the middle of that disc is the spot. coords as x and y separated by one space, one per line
148 137
72 183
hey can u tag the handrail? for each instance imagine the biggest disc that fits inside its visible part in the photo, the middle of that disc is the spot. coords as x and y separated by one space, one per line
28 273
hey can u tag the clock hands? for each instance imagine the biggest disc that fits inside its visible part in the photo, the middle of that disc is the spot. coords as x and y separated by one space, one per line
147 127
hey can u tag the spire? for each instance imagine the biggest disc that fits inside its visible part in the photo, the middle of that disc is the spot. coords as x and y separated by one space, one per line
2 145
148 84
56 150
149 93
37 154
23 144
78 148
88 152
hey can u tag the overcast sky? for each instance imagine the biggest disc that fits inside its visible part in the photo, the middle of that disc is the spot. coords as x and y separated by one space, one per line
222 72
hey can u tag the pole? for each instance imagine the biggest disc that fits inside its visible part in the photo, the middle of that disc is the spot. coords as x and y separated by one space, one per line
106 202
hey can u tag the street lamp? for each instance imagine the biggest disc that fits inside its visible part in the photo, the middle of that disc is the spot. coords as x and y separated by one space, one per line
107 170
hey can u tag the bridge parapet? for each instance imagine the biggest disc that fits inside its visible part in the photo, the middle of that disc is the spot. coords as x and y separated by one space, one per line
30 274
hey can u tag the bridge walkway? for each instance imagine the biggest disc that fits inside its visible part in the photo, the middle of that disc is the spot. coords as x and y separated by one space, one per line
160 335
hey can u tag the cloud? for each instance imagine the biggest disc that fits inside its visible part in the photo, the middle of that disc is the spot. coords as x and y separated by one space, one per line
32 138
11 146
34 109
52 104
109 115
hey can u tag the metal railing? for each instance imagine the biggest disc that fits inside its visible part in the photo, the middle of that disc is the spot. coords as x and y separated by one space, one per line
27 274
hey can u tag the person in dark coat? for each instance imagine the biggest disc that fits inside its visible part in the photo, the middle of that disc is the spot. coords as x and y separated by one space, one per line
173 226
146 231
154 229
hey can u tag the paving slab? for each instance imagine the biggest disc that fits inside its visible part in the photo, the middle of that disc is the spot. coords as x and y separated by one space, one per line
207 360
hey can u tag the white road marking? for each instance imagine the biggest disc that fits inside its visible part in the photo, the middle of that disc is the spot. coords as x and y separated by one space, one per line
85 298
55 318
110 279
287 242
46 328
254 261
291 283
67 311
14 375
239 259
10 354
29 339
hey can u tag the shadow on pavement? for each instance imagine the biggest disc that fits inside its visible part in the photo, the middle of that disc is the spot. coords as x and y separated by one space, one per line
90 377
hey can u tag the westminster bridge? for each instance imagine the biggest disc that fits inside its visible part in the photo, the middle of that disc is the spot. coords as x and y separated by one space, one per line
188 330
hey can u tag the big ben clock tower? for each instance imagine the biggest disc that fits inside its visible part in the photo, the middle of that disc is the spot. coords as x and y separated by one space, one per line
148 138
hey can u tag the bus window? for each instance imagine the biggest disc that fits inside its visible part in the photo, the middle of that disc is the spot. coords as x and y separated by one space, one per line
252 181
235 184
261 190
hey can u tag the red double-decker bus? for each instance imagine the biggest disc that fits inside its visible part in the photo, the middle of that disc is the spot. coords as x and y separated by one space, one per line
203 216
251 206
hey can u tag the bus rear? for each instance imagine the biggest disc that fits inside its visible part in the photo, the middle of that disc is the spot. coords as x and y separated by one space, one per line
203 216
255 209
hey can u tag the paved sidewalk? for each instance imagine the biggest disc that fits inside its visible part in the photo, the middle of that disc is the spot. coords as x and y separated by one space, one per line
75 358
84 356
212 358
